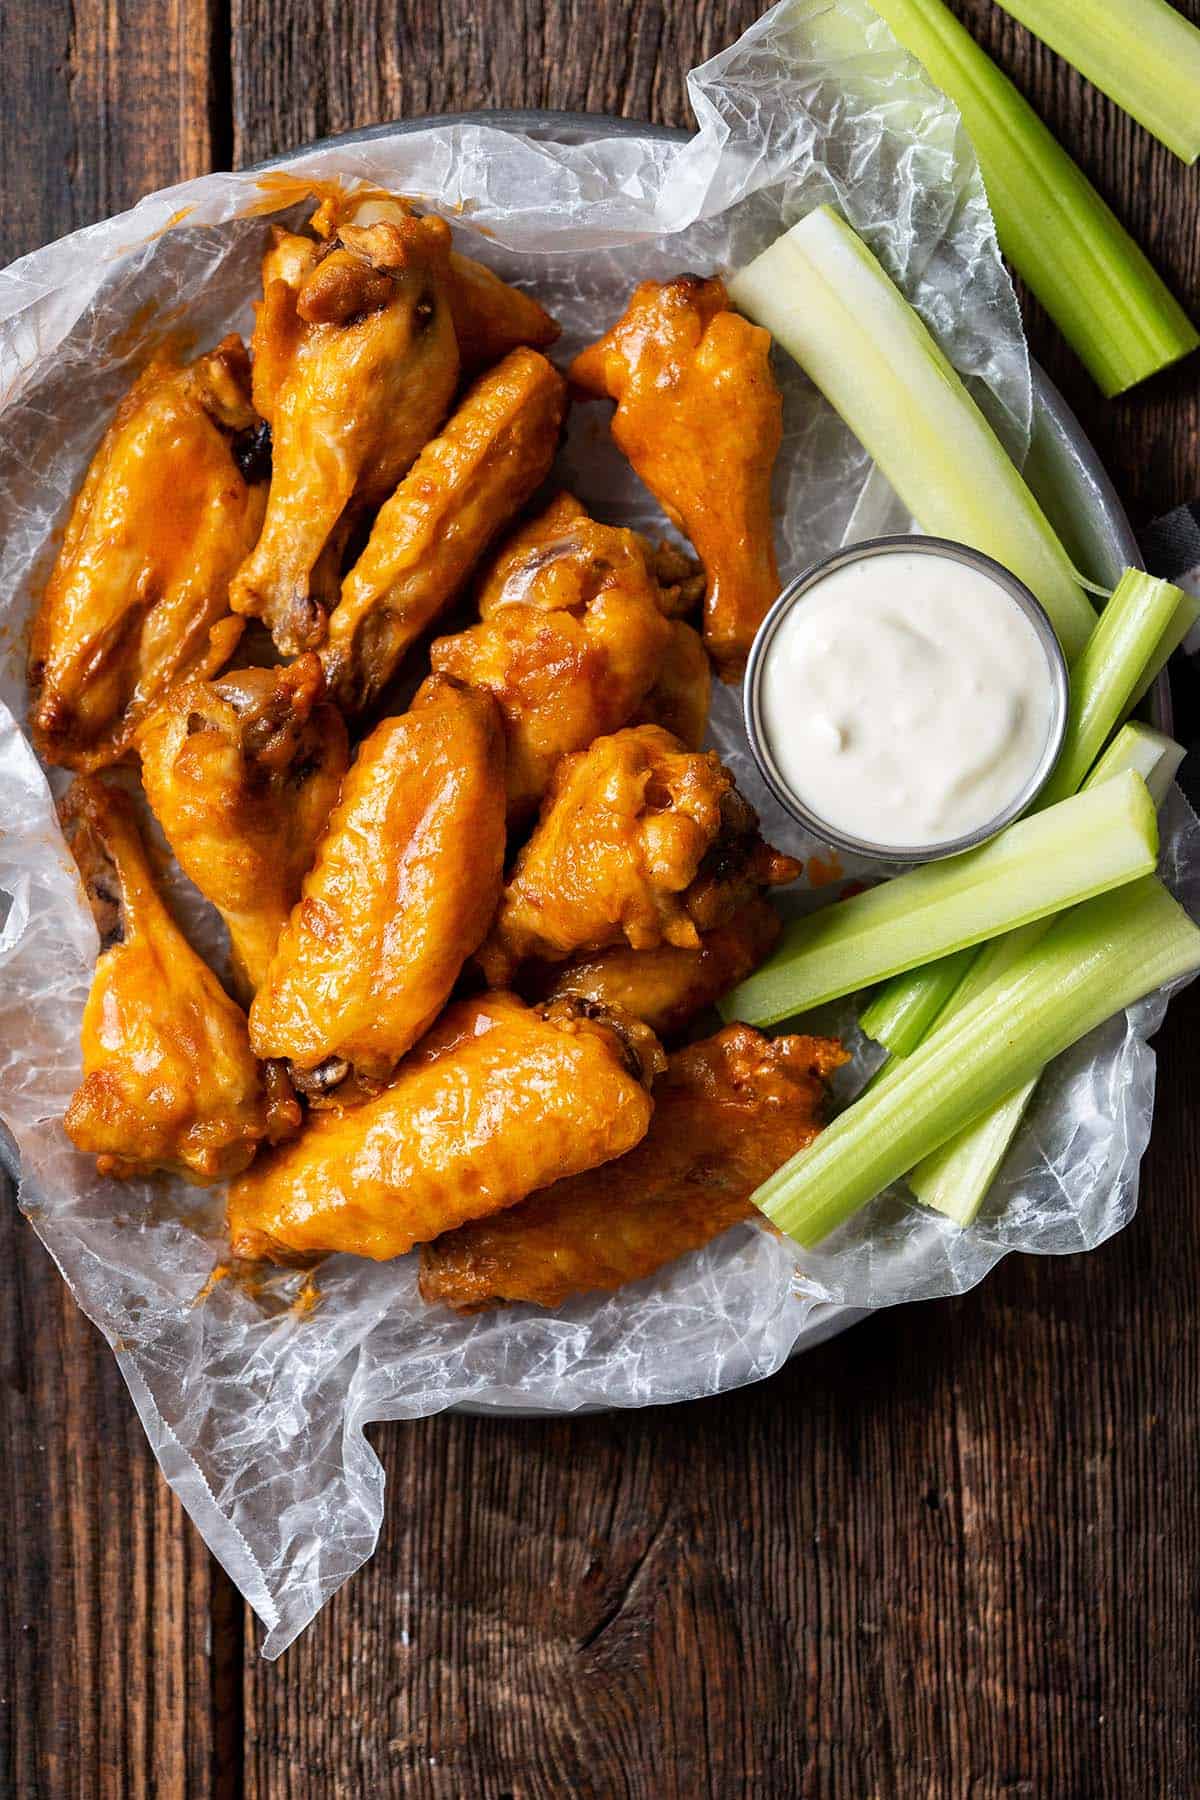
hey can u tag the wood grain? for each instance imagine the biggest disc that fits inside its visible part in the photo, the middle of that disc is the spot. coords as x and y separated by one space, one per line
106 1660
952 1554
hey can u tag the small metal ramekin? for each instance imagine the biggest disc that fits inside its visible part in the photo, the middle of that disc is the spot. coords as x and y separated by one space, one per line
760 744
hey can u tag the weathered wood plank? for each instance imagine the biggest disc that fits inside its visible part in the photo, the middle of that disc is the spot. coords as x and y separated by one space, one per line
106 1665
952 1553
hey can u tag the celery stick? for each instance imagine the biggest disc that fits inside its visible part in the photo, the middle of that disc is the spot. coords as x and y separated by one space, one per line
819 290
1053 226
955 1179
1141 53
1041 864
902 1012
1184 618
1149 753
1095 960
1107 672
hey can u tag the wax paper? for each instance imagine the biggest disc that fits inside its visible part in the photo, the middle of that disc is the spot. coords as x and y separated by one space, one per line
255 1401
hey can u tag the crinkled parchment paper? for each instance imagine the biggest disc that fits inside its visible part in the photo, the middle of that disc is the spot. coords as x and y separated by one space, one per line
255 1403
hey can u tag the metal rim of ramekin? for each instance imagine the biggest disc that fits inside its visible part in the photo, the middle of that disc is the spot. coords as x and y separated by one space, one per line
794 593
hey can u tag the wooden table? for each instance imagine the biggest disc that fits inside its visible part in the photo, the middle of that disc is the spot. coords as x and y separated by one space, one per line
953 1553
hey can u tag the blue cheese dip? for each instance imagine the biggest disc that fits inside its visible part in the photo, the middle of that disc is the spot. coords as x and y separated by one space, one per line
907 699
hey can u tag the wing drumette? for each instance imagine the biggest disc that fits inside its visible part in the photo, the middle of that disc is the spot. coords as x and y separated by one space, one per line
169 1081
572 639
139 595
242 773
463 488
700 418
666 988
496 1101
402 891
356 366
727 1113
490 317
638 839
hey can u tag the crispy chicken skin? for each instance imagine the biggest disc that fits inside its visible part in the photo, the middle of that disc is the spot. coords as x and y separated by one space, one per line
666 988
700 418
498 1100
563 674
139 595
242 773
168 1078
679 699
490 317
638 839
462 490
356 366
727 1113
403 889
562 558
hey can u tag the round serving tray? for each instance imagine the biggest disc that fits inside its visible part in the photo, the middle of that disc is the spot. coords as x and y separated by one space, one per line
1062 468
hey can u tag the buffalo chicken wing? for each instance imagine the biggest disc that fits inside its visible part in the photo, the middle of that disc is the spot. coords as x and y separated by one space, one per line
571 641
169 1081
638 839
667 988
490 317
727 1114
463 488
356 366
404 886
139 595
242 773
497 1101
700 418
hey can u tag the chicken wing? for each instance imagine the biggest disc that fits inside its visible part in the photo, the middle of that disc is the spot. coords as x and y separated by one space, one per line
700 418
242 773
463 488
359 363
490 317
168 1078
497 1101
404 886
679 699
637 839
563 675
666 988
727 1114
139 595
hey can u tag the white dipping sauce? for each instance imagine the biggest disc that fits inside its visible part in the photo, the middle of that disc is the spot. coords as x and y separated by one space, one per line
906 699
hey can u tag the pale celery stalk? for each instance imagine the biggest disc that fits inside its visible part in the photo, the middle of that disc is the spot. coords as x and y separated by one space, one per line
1093 961
1141 53
1149 753
1181 622
1054 859
1107 673
903 1011
1091 277
955 1179
822 294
